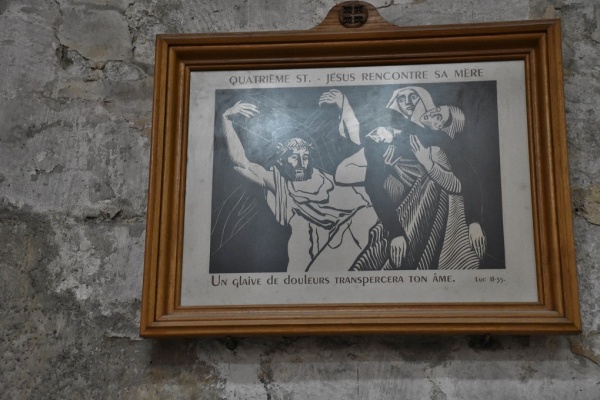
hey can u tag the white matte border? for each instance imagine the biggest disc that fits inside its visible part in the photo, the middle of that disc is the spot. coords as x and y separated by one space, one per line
516 283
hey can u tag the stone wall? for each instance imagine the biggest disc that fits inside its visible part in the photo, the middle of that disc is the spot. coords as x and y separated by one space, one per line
75 116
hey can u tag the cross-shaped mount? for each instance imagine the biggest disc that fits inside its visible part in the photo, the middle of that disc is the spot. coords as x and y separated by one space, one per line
353 15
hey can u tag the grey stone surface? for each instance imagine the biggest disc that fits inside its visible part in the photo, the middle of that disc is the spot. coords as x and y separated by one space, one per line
75 115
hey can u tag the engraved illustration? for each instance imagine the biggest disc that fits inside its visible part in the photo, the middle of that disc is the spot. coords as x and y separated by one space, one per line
357 178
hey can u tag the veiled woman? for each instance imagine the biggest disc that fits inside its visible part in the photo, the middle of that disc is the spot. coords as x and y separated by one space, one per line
411 185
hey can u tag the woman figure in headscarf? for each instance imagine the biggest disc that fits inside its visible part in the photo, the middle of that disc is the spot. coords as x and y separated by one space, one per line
404 111
417 197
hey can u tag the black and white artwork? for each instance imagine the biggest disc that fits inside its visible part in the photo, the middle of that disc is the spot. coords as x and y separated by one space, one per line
358 185
357 178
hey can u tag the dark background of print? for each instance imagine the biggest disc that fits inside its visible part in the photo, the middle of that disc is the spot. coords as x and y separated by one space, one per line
245 235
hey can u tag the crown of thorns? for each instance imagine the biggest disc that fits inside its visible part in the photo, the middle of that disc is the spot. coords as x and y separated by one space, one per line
293 144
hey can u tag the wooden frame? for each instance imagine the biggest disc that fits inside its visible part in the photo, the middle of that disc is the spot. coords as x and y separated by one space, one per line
536 45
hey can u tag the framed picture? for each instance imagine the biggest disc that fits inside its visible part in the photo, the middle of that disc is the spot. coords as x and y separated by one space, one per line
360 178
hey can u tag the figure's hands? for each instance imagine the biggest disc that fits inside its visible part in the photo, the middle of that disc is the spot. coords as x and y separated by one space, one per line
382 134
246 109
388 156
422 153
333 96
397 251
477 239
